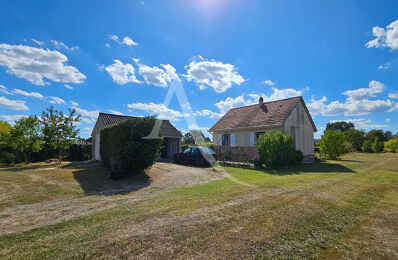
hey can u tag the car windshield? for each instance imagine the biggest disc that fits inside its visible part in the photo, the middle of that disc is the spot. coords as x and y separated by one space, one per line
207 150
188 150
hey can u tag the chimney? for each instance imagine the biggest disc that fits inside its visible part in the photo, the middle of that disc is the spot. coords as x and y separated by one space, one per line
261 101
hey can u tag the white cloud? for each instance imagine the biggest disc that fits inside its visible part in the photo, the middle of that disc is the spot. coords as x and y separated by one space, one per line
385 66
12 118
56 100
375 87
115 112
68 86
210 73
87 116
356 103
385 37
126 40
362 123
13 104
208 113
61 45
160 110
129 42
122 73
392 95
34 64
74 104
107 45
269 82
388 120
37 42
28 94
4 90
157 76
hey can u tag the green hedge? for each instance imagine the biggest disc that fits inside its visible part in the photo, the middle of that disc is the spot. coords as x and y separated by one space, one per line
277 149
123 148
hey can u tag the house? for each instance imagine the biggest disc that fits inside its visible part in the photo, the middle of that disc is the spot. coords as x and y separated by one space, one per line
171 136
243 125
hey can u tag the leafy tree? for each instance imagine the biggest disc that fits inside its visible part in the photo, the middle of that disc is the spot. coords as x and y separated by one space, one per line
391 145
388 135
59 129
194 137
340 126
367 146
277 149
5 132
355 137
377 146
371 135
25 136
332 144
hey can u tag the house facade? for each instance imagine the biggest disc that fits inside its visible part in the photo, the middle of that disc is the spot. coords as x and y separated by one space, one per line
172 138
241 127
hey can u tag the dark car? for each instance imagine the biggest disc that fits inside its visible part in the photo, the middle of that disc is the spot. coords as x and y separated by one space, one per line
196 155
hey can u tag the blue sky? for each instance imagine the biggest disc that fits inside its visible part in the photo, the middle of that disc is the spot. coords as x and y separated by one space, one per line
122 56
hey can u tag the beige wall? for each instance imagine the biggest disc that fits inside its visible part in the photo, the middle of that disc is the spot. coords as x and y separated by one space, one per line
304 130
298 119
95 147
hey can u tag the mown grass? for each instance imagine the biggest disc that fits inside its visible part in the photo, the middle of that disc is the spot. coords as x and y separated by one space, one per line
308 211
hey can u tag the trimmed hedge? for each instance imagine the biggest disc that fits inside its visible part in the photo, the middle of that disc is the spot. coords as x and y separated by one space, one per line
123 149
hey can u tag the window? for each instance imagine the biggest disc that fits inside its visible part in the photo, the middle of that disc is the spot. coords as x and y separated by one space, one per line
188 150
258 135
225 139
195 151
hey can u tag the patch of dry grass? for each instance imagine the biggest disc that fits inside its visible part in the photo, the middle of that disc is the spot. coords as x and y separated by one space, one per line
338 209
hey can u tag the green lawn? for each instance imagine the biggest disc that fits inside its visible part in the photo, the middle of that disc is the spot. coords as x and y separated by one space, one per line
338 209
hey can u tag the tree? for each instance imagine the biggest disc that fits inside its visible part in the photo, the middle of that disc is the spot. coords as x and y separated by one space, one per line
59 130
367 146
355 137
25 136
371 135
340 126
332 144
388 135
5 132
391 145
194 137
377 146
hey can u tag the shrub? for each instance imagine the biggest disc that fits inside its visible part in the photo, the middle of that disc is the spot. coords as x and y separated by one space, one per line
377 146
391 145
367 146
298 157
276 149
332 145
123 148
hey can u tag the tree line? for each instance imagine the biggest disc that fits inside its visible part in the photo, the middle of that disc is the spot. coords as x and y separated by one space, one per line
341 137
50 135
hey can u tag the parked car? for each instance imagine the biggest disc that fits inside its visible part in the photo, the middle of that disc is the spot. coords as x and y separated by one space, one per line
197 155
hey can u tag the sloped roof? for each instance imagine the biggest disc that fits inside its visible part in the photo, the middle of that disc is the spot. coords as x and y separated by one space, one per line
272 113
168 130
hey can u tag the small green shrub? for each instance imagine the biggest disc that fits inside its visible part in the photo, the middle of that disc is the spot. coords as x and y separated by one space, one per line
391 145
276 149
377 146
298 157
332 145
367 146
123 148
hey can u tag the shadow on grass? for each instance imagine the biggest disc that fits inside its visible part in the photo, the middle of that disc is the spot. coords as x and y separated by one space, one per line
95 179
317 167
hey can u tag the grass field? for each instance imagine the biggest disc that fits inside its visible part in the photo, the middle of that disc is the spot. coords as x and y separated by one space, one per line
337 209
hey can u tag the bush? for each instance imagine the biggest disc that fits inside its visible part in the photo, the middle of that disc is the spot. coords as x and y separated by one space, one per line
276 149
123 148
377 146
332 145
391 145
367 146
298 157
